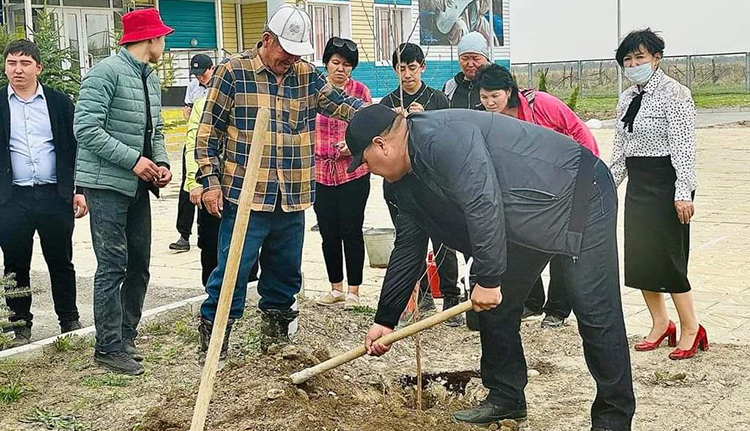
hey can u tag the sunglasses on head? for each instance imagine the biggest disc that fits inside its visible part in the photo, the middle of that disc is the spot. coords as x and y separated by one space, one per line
339 43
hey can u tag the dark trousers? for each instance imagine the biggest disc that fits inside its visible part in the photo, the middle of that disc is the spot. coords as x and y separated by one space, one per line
557 299
341 214
593 288
281 235
185 208
208 242
39 209
445 258
121 236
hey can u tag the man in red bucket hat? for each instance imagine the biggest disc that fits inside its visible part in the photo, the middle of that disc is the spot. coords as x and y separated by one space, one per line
121 157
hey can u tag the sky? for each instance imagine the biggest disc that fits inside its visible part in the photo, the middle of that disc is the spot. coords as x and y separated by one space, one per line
554 30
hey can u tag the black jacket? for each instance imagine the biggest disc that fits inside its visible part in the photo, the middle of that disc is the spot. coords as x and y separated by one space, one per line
428 97
479 180
61 118
462 93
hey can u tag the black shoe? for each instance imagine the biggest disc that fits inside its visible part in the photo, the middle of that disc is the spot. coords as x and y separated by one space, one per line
182 244
551 321
274 327
205 328
119 362
601 429
426 302
22 336
449 302
487 413
70 326
529 313
128 345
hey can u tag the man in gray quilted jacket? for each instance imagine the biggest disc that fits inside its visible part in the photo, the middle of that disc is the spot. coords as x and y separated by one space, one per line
121 157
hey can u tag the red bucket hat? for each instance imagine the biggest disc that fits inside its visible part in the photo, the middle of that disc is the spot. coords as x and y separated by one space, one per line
143 24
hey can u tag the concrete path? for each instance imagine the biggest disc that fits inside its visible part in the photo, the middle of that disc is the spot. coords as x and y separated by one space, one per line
720 256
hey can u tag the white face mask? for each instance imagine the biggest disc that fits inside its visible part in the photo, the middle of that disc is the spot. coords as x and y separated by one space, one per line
639 74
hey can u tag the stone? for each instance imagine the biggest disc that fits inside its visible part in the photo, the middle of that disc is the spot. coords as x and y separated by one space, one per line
274 393
532 373
475 391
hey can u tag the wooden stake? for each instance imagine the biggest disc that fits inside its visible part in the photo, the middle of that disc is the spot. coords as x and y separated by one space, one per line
418 345
414 328
260 137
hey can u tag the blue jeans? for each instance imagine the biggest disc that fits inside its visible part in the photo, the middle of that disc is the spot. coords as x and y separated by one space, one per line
121 236
281 235
592 286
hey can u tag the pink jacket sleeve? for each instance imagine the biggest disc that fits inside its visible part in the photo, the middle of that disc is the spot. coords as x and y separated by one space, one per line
562 119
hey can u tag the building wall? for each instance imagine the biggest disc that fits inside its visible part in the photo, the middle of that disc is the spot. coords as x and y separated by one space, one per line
229 26
254 18
191 20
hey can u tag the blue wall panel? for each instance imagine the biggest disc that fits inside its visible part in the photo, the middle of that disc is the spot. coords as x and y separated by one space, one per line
189 19
381 80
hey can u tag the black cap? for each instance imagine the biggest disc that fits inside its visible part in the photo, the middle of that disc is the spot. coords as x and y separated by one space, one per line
199 64
366 124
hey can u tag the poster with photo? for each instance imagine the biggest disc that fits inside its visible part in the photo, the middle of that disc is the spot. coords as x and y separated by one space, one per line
445 22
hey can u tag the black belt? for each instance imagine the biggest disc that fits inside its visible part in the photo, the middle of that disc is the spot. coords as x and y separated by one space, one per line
584 186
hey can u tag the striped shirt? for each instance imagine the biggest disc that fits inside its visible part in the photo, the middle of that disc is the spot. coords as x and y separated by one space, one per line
242 85
330 165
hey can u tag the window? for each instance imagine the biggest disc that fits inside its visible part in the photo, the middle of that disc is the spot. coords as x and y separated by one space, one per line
326 23
390 23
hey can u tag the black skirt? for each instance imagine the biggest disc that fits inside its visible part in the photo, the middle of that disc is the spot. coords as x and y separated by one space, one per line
656 243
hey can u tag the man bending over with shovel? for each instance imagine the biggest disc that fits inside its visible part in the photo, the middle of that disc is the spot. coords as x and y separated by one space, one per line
512 195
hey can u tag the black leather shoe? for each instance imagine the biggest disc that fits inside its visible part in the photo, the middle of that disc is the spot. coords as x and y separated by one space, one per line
70 326
487 413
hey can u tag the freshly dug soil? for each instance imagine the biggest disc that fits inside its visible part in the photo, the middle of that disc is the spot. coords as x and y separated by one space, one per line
253 391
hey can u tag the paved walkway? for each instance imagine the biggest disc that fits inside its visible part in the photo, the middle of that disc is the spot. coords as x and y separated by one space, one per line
719 259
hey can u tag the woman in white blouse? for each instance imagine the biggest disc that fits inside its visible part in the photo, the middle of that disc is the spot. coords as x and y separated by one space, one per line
655 147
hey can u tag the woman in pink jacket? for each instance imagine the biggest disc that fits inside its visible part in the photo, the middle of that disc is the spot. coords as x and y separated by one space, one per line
500 94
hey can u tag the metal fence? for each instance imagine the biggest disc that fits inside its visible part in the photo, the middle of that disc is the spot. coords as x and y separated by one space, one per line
704 74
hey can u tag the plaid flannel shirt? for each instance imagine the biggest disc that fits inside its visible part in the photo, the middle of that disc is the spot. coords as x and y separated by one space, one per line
330 165
240 86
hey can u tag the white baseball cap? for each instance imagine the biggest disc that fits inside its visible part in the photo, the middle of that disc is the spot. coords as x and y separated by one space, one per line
292 26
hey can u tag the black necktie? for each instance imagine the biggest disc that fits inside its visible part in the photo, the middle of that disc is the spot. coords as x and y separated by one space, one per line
633 108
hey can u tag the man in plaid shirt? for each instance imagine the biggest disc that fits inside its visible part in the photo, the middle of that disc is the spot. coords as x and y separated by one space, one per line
273 76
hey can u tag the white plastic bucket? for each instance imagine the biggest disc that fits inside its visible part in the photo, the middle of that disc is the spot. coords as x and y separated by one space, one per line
379 245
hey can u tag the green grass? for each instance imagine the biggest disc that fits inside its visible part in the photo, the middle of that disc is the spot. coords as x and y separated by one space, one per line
364 310
12 392
109 379
716 101
186 331
606 107
63 344
50 420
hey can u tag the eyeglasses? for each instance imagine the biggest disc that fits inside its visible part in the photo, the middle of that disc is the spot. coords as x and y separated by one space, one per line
339 43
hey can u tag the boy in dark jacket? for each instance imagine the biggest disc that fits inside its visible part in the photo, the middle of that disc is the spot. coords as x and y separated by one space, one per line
512 195
419 97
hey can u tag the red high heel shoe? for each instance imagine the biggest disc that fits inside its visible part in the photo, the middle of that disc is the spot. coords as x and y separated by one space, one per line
701 340
645 346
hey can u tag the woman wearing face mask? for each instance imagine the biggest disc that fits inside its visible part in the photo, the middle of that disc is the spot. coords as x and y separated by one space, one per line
340 197
655 147
499 93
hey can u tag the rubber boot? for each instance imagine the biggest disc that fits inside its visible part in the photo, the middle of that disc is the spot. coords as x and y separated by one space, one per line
205 327
274 327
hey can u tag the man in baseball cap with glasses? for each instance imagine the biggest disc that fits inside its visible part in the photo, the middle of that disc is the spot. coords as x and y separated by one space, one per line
270 75
512 195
